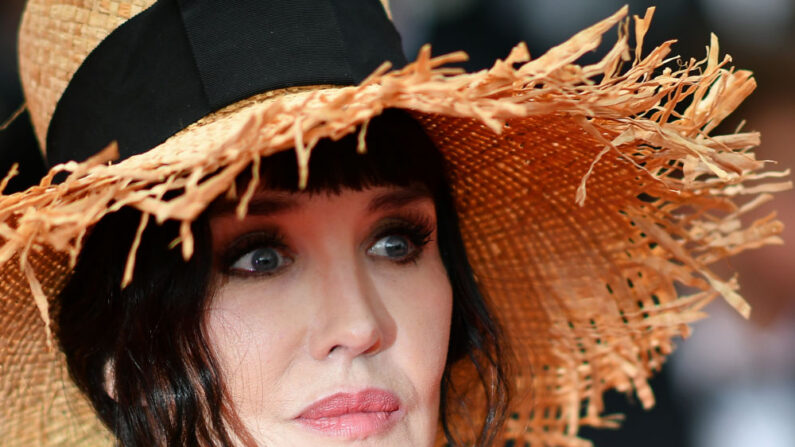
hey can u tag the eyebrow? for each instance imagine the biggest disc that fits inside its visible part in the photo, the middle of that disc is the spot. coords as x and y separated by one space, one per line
259 206
273 204
396 199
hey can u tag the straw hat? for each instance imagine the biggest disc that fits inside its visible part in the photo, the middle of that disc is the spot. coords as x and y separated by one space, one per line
585 194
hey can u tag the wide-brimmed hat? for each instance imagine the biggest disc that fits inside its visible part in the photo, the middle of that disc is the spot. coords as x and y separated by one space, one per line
587 195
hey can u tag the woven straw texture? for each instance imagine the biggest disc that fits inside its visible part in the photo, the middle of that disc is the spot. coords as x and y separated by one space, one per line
55 37
585 195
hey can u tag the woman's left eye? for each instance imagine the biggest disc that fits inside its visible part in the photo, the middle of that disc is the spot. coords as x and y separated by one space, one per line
395 247
261 261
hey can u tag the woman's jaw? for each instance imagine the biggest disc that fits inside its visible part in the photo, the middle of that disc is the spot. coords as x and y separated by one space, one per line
331 317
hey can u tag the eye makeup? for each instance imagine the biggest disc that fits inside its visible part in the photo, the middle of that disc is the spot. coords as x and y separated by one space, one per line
416 227
245 244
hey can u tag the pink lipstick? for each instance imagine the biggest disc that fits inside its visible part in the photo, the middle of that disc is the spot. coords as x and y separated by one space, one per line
352 415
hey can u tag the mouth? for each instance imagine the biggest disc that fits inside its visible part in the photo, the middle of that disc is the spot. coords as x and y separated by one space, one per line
352 415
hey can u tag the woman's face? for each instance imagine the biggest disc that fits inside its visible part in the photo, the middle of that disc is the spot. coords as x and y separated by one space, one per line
331 316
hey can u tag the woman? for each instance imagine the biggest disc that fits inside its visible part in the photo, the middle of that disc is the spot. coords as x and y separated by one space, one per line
249 295
323 316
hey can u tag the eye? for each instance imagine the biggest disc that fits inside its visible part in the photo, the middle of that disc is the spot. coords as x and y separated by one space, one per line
402 239
395 246
263 260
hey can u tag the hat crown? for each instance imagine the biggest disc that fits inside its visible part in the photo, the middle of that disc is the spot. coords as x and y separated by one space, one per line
55 38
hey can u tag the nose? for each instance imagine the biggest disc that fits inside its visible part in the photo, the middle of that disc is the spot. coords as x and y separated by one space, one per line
352 319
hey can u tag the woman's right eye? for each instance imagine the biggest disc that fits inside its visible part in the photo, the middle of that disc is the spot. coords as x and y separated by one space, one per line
264 260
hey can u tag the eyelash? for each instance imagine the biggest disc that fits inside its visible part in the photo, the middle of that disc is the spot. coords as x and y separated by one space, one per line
248 243
416 228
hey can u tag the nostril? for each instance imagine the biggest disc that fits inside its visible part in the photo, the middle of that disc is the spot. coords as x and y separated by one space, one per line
375 347
334 348
362 347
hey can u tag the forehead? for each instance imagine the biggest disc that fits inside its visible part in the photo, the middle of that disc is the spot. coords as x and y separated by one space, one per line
373 199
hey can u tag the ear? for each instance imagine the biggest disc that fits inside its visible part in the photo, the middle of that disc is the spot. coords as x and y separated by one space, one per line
109 379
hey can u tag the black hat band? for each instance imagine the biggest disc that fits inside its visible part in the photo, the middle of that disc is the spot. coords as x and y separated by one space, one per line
180 60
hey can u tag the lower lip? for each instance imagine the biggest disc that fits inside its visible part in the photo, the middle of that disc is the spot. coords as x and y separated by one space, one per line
353 425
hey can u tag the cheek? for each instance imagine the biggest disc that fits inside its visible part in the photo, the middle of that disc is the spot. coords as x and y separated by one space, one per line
422 310
252 346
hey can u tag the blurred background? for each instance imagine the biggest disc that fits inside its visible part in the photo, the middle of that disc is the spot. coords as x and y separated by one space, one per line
733 383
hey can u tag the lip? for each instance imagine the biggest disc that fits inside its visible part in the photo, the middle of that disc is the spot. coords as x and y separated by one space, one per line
352 415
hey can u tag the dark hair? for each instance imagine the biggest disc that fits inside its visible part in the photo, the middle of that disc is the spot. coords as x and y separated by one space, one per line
167 387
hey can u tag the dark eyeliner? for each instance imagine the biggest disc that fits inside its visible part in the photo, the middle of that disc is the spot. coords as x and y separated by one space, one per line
246 243
418 228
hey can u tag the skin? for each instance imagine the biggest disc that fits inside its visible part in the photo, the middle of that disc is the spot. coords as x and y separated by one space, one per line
340 313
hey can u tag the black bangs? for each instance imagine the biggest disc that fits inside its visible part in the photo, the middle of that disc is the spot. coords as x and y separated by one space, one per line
399 153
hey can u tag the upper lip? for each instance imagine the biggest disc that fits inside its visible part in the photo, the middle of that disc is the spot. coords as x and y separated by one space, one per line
371 400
